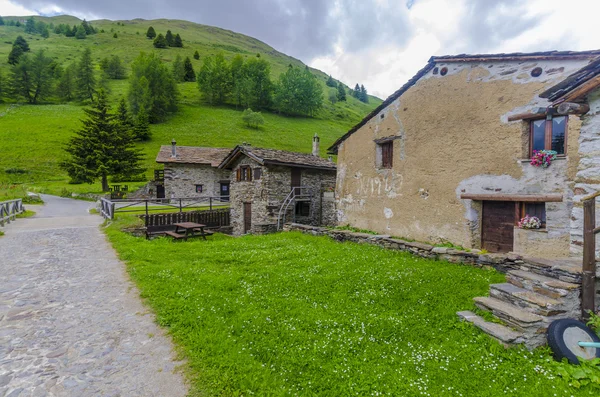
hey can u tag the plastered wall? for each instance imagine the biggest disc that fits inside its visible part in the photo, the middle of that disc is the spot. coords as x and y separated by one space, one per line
454 138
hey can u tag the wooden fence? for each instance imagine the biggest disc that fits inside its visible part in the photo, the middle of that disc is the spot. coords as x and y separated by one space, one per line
111 206
214 218
588 286
9 210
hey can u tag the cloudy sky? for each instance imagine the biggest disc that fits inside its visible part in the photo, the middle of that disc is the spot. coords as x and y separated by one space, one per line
378 43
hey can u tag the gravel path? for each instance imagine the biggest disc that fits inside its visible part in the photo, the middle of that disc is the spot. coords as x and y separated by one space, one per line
71 322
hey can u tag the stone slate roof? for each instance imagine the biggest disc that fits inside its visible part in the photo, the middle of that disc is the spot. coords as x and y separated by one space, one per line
581 76
277 157
192 155
516 56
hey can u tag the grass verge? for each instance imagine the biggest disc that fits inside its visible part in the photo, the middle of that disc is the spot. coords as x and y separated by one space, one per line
291 314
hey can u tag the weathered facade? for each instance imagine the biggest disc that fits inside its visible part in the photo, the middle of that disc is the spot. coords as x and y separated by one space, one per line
192 172
447 157
271 186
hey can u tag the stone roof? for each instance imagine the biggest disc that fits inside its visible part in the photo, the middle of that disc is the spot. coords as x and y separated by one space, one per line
193 155
516 56
573 81
278 157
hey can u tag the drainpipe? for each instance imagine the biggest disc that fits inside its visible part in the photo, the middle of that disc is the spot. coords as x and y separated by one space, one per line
173 149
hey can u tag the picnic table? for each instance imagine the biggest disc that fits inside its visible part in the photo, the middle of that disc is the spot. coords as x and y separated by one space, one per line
184 230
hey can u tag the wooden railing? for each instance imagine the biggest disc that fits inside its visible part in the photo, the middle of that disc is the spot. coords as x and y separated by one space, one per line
214 218
9 210
588 276
110 207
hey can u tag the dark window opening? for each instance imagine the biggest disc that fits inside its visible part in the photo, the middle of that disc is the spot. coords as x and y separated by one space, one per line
387 154
548 135
303 208
257 173
199 188
533 209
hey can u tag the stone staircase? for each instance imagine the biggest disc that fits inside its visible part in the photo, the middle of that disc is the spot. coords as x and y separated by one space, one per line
536 293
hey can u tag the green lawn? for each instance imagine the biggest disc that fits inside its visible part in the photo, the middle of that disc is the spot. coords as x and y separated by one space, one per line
291 314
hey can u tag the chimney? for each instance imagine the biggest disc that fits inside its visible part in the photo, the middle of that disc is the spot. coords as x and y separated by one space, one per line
316 140
173 149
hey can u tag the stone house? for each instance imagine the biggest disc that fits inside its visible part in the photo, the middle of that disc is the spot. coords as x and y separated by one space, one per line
272 186
446 158
191 172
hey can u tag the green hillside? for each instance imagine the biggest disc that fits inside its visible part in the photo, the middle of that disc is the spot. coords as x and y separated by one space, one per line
33 136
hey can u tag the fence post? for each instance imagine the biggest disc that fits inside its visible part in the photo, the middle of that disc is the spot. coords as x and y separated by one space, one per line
211 203
146 209
180 207
588 285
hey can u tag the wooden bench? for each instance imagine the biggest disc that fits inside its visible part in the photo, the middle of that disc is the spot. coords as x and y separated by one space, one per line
170 230
176 236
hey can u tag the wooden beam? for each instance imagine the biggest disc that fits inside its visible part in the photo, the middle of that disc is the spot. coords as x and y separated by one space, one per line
582 90
588 276
530 198
525 116
573 108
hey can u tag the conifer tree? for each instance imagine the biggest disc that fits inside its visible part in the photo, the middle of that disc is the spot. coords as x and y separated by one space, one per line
160 41
169 38
87 28
65 88
1 21
122 117
151 33
196 55
356 92
188 69
30 26
80 34
21 42
15 55
177 42
341 92
141 128
101 148
2 86
32 78
331 82
178 69
86 81
363 94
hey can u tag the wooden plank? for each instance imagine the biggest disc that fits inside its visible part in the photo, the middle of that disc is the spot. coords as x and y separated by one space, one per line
582 90
588 285
532 198
525 116
497 226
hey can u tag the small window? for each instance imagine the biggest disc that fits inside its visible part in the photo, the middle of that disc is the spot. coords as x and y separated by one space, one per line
257 173
387 154
244 173
303 208
199 188
533 209
548 135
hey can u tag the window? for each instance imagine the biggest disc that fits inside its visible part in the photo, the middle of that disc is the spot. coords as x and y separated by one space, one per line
303 208
387 154
198 188
533 209
257 173
548 135
244 173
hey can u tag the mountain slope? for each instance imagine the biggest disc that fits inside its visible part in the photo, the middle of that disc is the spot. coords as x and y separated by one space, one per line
38 133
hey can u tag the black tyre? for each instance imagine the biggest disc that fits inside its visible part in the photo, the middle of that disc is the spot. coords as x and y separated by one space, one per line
564 336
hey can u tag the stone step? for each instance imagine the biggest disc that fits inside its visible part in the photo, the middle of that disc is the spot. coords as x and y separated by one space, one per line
564 269
500 332
544 285
528 300
514 316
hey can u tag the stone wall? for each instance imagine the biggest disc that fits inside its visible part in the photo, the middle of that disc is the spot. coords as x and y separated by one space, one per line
587 180
452 137
267 194
181 180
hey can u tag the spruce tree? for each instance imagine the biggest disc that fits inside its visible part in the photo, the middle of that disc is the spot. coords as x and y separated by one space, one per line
178 69
160 41
123 118
177 41
341 93
65 88
21 42
87 28
331 82
356 92
86 81
169 38
363 94
70 32
189 74
32 78
80 35
151 33
141 128
30 26
101 148
196 55
15 55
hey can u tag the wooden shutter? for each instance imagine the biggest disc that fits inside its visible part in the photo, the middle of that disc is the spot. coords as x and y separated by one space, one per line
238 174
387 154
257 173
248 173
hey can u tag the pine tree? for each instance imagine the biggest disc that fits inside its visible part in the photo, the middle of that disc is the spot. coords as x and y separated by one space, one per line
169 38
87 28
160 41
21 42
178 69
86 81
70 32
151 33
341 93
363 94
196 55
356 92
15 55
141 128
100 148
80 35
122 117
65 88
30 26
331 82
177 42
32 78
188 69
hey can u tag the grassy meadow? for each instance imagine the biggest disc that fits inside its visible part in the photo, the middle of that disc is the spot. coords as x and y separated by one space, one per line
33 136
296 315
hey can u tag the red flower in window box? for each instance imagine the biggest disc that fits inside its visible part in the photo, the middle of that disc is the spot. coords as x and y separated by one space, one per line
543 158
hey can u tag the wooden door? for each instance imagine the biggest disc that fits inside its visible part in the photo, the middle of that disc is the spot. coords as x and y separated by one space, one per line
497 226
296 177
160 191
247 217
